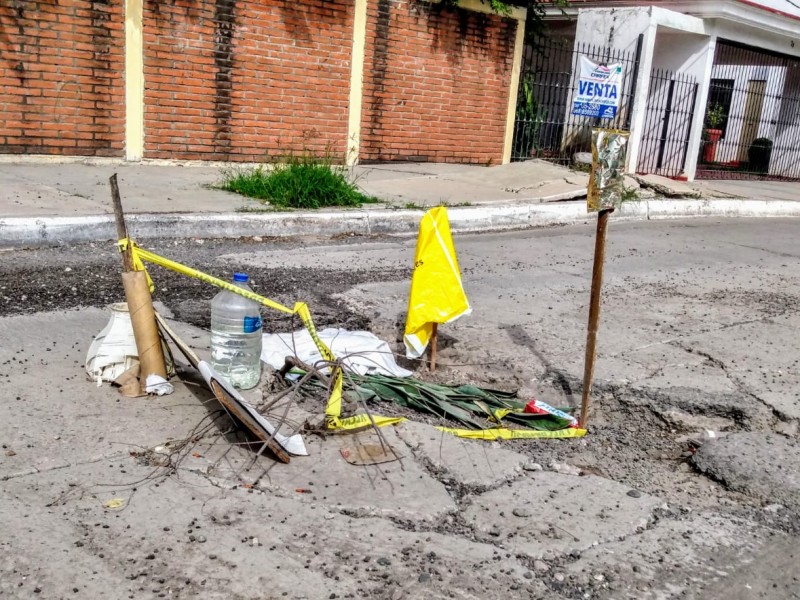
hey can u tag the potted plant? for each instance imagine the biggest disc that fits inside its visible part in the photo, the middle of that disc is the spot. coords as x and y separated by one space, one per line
715 115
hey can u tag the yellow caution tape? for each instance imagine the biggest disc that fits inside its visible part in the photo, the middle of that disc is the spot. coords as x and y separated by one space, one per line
140 255
333 408
358 422
500 433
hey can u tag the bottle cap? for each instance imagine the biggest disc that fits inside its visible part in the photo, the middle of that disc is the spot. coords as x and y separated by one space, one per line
241 277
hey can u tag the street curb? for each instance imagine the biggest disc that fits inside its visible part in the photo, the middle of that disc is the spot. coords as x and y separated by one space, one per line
16 232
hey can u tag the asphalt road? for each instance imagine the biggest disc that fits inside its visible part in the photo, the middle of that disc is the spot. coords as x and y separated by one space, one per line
699 334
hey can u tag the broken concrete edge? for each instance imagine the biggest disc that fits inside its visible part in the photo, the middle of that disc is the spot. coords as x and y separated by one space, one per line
17 232
664 189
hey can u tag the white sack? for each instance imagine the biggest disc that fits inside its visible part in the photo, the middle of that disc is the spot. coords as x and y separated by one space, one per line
113 350
360 351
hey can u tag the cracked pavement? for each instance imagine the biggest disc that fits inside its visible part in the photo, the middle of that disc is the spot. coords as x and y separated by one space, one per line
698 333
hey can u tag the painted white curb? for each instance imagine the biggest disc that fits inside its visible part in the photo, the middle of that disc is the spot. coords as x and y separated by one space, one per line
48 231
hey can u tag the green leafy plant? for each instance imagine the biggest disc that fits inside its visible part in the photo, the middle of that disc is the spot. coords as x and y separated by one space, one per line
715 116
529 118
445 203
629 194
535 24
467 405
297 181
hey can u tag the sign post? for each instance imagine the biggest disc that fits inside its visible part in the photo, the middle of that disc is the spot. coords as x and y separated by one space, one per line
606 186
594 311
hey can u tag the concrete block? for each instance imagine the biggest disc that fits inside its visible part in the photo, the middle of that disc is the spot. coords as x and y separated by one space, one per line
402 489
706 555
470 462
666 186
763 465
202 540
559 513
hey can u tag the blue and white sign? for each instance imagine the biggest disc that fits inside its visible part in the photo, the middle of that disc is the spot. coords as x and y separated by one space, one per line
599 90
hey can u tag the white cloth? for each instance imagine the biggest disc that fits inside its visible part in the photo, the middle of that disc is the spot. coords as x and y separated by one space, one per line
155 384
360 351
113 350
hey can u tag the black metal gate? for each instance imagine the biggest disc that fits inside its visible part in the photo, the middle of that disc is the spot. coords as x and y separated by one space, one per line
668 121
545 126
752 118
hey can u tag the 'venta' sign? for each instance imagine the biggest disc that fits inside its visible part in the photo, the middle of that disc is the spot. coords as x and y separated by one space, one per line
599 88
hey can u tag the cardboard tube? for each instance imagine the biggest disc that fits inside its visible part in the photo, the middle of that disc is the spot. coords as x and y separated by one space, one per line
145 329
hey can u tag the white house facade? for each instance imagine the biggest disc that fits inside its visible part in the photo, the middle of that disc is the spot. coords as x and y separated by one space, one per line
714 88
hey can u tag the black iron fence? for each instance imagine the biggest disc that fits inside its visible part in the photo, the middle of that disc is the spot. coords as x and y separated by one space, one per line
752 118
668 122
545 126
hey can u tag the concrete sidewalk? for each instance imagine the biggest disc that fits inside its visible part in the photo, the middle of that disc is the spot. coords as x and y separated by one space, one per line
772 190
34 190
66 202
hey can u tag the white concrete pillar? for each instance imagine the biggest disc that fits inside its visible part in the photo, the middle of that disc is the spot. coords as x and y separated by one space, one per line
640 97
511 111
356 82
134 81
698 123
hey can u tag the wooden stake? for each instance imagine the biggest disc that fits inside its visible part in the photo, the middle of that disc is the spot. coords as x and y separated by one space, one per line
594 311
119 217
434 342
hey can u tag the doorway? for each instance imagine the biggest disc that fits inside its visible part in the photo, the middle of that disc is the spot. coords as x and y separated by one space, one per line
753 105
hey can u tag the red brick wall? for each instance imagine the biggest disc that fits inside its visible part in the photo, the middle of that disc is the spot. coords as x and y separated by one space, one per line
61 77
238 79
436 83
241 79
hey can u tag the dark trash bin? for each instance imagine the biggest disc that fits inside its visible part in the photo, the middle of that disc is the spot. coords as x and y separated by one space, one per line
759 155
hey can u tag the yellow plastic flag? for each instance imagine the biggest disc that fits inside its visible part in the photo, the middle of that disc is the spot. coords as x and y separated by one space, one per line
437 295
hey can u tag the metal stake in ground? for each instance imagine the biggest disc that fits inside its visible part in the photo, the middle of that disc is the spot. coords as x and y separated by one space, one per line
594 311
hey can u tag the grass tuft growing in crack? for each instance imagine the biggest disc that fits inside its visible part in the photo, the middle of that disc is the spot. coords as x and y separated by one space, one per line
303 180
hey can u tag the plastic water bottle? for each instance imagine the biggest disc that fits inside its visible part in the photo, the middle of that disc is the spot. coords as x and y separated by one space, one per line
236 336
